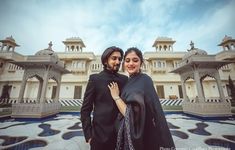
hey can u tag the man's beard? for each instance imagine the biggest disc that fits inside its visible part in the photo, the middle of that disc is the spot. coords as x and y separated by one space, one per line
114 68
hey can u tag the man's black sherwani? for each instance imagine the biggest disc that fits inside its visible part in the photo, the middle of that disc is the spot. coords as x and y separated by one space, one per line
98 99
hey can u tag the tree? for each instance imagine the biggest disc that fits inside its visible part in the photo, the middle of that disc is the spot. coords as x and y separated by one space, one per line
232 89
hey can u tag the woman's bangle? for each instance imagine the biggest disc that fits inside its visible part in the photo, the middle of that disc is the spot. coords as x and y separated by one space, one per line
116 98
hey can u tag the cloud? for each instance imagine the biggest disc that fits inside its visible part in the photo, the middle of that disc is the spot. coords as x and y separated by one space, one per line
123 23
207 30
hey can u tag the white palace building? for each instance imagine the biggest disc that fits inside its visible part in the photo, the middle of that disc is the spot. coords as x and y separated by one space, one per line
190 76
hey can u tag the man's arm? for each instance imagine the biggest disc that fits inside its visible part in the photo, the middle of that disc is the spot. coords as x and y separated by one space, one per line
87 107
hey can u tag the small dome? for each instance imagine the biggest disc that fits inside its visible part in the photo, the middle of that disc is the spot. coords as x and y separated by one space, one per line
10 39
194 51
163 38
74 39
47 52
226 38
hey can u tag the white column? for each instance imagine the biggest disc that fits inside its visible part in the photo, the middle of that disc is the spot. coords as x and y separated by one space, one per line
58 89
2 47
218 81
199 86
44 86
39 91
183 88
22 89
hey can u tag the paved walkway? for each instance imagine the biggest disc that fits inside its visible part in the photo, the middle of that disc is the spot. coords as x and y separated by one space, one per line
64 132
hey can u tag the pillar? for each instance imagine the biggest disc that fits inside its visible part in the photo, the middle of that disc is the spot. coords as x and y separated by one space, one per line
2 47
44 86
58 89
183 88
22 89
199 86
39 90
219 83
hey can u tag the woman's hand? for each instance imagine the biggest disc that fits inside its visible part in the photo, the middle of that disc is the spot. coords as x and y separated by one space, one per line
114 90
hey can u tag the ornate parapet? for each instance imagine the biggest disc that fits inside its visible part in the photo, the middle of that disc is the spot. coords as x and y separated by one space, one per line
207 109
35 110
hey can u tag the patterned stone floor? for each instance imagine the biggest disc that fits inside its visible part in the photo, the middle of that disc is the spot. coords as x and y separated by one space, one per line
64 132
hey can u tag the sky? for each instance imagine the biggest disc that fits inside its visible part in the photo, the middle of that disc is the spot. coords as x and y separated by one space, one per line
123 23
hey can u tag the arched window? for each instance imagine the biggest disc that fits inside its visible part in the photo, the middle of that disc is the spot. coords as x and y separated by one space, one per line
159 65
163 64
165 47
72 48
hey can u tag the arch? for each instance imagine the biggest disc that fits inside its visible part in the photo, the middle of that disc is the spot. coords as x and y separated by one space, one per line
232 46
188 78
32 89
159 64
5 96
210 87
165 47
52 89
227 47
206 75
72 48
55 79
190 87
36 76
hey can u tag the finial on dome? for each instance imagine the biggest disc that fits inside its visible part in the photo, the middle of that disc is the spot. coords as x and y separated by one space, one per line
50 45
191 45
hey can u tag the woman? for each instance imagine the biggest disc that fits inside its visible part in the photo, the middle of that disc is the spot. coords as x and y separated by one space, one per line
142 124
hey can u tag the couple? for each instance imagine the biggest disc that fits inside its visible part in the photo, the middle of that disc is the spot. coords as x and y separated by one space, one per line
127 113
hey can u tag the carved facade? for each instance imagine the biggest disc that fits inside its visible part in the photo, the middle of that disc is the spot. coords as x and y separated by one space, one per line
158 63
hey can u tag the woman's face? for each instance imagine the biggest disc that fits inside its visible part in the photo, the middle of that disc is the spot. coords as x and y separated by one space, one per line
132 63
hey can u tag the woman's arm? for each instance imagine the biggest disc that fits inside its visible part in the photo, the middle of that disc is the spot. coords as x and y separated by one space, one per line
114 90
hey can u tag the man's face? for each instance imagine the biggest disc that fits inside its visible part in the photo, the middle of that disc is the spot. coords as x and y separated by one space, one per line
114 61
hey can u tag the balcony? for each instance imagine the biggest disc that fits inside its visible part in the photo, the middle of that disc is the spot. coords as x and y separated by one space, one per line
159 70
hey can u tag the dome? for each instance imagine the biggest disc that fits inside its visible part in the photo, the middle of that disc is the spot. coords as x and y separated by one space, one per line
194 51
226 38
47 52
10 39
162 38
74 39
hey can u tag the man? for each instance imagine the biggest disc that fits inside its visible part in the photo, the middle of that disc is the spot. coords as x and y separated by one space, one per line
100 132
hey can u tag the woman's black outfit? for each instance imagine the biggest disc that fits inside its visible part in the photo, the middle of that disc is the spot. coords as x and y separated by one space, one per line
144 126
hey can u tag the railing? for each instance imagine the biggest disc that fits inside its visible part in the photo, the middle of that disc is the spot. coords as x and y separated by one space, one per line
210 100
78 102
